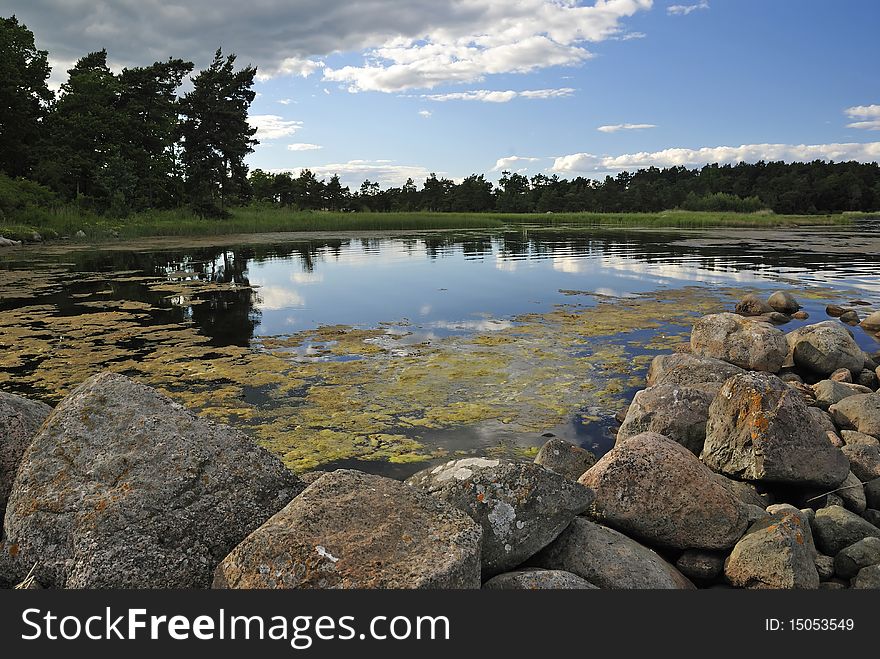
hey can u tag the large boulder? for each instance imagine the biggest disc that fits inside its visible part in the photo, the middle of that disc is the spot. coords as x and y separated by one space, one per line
685 369
124 488
521 506
860 412
564 458
20 419
652 488
775 553
864 460
783 302
538 579
759 430
853 494
836 528
825 347
354 530
860 554
743 342
608 559
679 413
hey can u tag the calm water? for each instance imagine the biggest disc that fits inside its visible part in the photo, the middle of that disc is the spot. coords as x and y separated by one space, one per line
434 285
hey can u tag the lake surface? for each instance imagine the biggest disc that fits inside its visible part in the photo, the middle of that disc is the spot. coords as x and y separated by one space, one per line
392 352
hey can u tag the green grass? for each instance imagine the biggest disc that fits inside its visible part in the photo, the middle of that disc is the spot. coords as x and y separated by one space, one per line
66 221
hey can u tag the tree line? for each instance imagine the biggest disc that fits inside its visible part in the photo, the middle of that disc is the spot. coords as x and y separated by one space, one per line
115 144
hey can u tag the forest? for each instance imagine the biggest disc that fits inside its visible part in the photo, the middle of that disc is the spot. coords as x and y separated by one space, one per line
114 145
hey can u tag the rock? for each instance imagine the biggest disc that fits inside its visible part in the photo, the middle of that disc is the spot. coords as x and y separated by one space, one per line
608 559
685 369
841 375
774 553
752 305
775 318
124 488
755 513
521 506
824 348
20 419
829 392
836 528
790 376
867 378
864 460
860 412
353 530
850 318
823 418
834 439
537 579
872 322
860 554
852 437
836 311
833 584
825 567
745 492
872 493
700 565
564 458
853 494
867 578
311 476
679 413
80 234
872 516
742 342
806 521
783 302
6 242
800 315
653 488
760 430
805 392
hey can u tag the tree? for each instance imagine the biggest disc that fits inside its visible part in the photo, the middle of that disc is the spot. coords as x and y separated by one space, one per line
25 96
216 135
336 196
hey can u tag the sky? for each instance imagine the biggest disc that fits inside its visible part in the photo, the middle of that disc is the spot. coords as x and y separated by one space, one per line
392 89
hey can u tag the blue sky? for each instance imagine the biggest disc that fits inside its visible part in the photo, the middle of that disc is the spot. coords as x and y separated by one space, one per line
385 90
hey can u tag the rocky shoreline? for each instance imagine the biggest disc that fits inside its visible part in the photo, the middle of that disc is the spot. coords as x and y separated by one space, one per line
751 460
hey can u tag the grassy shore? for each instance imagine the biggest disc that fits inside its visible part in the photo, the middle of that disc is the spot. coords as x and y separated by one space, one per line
66 222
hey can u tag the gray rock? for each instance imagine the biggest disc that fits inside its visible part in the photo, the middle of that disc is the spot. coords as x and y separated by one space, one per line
872 516
740 341
864 460
124 488
685 369
521 506
823 418
774 554
745 492
653 488
806 521
860 412
679 413
867 578
760 430
608 559
825 567
20 419
872 322
752 305
537 579
853 494
872 494
353 530
835 440
836 311
783 302
699 565
829 392
853 437
564 458
775 318
841 375
755 513
833 584
860 554
836 528
790 376
825 347
311 476
850 317
867 378
6 242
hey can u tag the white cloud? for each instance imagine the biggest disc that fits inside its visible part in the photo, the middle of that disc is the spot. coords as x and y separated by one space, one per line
684 10
291 66
488 96
285 101
273 127
586 162
304 147
275 298
507 164
352 173
874 124
304 278
618 127
868 116
425 114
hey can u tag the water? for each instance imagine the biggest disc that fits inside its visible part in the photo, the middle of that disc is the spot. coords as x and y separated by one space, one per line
157 310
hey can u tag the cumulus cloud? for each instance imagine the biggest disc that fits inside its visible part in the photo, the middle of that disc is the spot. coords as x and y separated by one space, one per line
354 172
614 128
586 162
272 127
684 10
487 96
509 163
304 147
867 116
418 43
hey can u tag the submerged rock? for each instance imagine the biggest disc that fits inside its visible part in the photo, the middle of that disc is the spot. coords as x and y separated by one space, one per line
836 528
608 559
354 530
824 348
679 413
20 419
740 341
538 579
123 488
686 369
652 488
564 458
760 430
521 506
